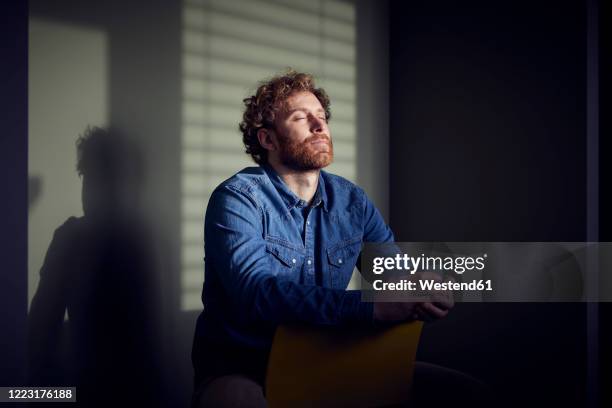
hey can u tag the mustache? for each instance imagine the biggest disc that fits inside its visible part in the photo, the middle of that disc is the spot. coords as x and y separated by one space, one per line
316 138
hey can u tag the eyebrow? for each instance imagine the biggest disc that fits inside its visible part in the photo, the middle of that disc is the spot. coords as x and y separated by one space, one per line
291 111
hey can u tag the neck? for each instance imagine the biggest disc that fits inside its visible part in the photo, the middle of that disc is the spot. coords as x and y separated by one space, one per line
301 183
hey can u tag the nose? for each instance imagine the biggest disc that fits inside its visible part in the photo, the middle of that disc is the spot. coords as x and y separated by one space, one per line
317 125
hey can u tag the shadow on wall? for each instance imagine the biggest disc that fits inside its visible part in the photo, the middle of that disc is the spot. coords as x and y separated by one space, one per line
34 189
98 269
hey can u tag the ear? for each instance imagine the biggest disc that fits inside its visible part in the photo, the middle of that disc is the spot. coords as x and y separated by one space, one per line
267 139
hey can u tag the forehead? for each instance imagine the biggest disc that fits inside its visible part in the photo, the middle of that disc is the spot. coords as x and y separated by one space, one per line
302 100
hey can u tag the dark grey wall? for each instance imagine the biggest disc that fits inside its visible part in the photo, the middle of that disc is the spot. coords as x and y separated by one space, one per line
372 101
144 88
605 67
487 143
13 175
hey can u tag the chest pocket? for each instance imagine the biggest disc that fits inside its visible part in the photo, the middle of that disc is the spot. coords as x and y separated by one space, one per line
342 258
287 262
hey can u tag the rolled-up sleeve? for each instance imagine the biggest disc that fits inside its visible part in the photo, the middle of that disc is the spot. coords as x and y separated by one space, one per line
236 250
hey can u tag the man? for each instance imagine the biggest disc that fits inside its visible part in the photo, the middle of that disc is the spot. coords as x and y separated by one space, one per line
282 240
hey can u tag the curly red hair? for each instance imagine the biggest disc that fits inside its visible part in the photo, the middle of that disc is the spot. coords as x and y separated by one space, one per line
261 109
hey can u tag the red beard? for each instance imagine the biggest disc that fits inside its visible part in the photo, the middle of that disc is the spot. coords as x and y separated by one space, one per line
306 156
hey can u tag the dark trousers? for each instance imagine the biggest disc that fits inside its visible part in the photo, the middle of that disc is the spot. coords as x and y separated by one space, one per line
235 377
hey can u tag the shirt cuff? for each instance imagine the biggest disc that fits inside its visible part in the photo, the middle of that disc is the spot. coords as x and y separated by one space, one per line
353 310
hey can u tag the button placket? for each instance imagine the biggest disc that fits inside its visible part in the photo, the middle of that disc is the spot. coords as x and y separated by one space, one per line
309 250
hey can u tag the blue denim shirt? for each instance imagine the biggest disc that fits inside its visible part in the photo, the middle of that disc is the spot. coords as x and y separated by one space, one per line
270 258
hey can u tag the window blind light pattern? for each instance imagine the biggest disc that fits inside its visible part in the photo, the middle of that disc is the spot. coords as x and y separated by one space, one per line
228 47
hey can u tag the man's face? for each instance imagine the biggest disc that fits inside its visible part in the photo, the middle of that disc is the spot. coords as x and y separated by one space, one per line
304 140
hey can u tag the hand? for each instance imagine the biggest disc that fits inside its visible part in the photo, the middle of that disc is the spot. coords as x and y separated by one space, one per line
395 312
439 306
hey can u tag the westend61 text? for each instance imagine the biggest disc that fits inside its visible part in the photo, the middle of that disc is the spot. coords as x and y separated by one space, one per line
433 285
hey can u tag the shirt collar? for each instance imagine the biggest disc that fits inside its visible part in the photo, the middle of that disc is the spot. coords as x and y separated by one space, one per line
289 198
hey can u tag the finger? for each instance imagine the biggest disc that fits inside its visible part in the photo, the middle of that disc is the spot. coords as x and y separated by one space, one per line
421 315
424 315
443 306
443 300
433 311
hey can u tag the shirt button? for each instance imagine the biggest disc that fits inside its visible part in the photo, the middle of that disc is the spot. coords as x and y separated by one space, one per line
309 262
308 222
340 260
293 260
